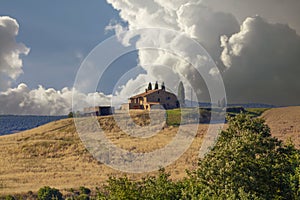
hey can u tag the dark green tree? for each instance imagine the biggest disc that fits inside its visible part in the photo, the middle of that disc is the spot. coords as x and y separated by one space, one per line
150 86
181 94
154 187
122 188
156 85
84 190
248 163
163 87
48 193
10 197
70 115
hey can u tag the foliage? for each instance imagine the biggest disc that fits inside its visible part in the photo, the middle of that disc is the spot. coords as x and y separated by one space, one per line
10 197
84 190
246 162
156 85
160 187
163 87
70 115
122 188
181 94
48 193
255 112
149 86
83 197
252 112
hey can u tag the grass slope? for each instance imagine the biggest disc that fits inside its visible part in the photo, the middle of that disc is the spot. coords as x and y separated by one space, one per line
54 155
284 123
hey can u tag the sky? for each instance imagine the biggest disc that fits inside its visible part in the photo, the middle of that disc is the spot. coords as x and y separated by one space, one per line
59 34
254 43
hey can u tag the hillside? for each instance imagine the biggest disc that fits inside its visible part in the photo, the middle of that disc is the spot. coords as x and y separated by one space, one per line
284 123
54 155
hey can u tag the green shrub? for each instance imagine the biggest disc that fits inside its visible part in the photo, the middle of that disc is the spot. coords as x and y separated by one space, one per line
246 161
48 193
160 187
83 197
70 115
84 190
10 197
122 188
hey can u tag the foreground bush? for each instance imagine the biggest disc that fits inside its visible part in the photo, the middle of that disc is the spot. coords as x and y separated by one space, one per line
246 163
48 193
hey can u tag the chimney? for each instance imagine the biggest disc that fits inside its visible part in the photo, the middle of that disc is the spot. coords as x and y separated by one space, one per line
146 90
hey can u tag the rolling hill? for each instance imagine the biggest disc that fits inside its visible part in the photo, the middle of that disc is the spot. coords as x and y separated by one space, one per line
54 155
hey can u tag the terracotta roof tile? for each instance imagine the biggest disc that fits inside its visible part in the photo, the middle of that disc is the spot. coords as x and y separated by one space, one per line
144 93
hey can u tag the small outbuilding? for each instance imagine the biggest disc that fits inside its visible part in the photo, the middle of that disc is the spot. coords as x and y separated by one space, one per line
99 110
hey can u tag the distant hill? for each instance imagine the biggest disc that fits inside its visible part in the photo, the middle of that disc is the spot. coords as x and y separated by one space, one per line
253 105
189 103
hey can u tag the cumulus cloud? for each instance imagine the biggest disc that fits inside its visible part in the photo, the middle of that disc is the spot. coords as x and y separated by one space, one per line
206 26
259 59
191 18
42 101
275 11
10 51
263 63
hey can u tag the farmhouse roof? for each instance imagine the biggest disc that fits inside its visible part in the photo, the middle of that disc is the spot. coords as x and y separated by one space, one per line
144 93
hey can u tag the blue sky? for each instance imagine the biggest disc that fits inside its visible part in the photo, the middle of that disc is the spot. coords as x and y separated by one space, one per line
60 34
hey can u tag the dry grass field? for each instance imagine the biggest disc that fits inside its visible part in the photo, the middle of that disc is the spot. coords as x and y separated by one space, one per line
54 155
284 123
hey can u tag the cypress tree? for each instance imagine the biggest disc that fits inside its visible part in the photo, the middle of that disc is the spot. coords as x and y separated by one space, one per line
156 85
149 86
163 86
181 94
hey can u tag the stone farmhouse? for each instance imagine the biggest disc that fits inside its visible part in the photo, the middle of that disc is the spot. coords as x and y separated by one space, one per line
152 99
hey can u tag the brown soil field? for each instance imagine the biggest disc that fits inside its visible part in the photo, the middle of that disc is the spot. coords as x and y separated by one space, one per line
53 154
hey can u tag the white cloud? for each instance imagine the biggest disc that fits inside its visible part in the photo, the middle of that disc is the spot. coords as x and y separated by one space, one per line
188 17
259 59
42 101
10 51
